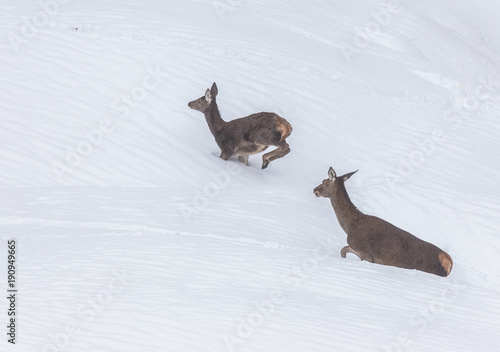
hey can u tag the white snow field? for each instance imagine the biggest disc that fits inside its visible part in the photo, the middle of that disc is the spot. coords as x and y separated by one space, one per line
133 235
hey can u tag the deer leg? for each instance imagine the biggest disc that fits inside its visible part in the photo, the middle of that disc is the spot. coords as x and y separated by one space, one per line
347 249
225 156
243 159
361 255
282 150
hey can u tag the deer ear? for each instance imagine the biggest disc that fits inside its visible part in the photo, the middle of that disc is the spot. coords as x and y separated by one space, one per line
214 90
347 176
208 96
331 173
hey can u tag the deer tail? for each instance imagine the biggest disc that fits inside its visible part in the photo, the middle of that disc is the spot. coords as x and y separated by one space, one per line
284 127
446 262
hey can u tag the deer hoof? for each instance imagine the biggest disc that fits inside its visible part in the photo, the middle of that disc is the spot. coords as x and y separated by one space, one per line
265 164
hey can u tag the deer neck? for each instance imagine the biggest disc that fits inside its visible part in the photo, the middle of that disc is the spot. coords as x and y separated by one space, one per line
214 120
345 210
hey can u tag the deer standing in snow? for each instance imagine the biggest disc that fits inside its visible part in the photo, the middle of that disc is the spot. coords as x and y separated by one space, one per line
247 135
376 240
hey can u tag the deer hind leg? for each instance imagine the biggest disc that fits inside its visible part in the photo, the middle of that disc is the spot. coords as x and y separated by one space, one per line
282 150
243 159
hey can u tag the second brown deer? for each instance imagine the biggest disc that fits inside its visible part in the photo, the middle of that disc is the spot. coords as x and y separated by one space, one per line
376 240
247 135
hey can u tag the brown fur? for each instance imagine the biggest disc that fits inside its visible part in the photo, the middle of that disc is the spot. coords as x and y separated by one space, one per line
284 127
446 262
247 135
376 240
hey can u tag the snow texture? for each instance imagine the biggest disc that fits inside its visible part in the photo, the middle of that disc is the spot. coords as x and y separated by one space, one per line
133 235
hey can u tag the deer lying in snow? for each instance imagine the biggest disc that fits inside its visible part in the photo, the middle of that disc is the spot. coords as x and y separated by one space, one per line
247 135
377 241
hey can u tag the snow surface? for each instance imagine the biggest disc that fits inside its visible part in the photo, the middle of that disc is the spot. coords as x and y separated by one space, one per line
134 236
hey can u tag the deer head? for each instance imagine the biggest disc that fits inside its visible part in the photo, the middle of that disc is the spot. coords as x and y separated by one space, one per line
202 104
327 187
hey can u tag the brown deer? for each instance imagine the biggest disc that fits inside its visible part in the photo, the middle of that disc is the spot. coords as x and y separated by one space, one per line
247 135
376 240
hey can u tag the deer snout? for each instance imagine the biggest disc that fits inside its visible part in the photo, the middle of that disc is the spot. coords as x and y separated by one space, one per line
316 192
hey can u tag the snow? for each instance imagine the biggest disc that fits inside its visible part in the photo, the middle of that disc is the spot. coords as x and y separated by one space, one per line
134 235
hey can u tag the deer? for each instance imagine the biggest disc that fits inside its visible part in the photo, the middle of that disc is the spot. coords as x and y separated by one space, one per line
378 241
246 135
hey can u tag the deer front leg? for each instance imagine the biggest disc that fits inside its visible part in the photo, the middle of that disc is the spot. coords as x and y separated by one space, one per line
224 155
282 150
347 249
360 255
243 159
